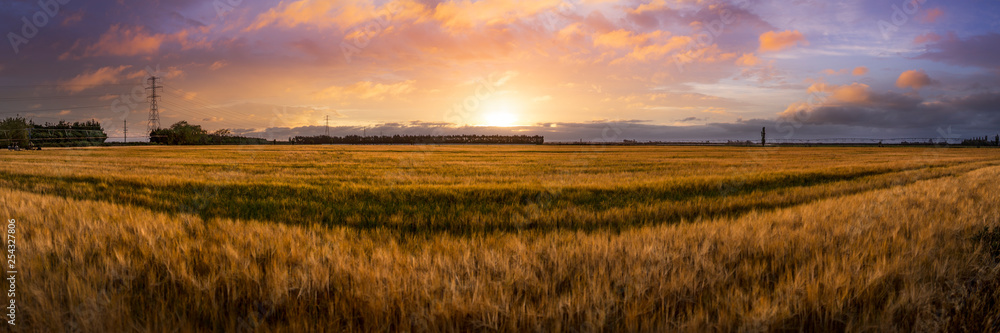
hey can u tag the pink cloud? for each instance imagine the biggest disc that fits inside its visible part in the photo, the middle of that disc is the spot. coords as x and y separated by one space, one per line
929 37
931 15
73 18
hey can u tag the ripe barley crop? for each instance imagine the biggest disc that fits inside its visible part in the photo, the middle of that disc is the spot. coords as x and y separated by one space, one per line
452 238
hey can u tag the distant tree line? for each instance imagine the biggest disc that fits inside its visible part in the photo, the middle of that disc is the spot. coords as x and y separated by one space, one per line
19 132
982 141
421 139
182 133
739 143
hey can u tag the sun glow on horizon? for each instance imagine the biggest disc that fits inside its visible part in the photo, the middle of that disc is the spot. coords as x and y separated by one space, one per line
502 113
501 119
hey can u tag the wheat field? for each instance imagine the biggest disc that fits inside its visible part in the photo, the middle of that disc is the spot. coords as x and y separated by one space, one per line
505 238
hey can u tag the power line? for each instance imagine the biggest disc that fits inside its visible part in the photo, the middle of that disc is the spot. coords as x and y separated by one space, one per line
195 104
34 98
65 85
59 109
196 111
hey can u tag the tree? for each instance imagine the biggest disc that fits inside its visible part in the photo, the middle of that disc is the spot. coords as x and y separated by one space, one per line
183 133
66 134
187 134
180 133
763 136
14 131
996 140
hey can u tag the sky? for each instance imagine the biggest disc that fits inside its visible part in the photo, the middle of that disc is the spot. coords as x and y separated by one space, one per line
587 70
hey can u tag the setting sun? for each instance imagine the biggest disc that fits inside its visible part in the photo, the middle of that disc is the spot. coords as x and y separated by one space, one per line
501 112
500 119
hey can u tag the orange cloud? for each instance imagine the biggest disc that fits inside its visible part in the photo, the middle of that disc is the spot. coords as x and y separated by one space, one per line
126 41
777 41
857 71
854 93
104 75
623 38
570 32
342 14
915 79
748 60
465 14
657 51
932 15
169 73
301 12
367 90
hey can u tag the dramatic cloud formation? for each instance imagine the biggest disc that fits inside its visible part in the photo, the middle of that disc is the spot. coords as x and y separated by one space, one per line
856 105
565 69
980 50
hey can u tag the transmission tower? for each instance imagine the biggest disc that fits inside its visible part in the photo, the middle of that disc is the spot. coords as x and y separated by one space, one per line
327 125
154 111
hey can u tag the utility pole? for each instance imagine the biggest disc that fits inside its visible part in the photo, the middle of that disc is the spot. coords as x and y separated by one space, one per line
154 111
327 125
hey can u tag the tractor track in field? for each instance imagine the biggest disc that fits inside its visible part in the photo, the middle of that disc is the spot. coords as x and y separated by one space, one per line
458 212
